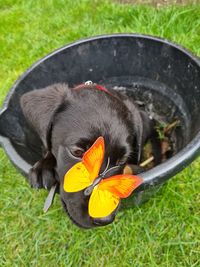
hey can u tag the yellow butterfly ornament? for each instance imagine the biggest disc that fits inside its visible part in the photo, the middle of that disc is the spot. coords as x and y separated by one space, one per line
105 194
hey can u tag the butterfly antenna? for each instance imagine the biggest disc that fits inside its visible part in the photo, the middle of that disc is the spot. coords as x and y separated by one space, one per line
111 169
108 163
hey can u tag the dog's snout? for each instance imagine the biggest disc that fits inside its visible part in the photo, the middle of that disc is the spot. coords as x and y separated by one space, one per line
104 221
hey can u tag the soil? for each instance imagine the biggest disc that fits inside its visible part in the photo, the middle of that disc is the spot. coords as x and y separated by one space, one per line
165 135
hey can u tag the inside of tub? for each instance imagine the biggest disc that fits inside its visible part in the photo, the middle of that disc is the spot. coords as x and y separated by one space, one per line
164 106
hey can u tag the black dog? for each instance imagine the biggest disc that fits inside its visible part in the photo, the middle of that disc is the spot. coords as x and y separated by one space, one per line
68 121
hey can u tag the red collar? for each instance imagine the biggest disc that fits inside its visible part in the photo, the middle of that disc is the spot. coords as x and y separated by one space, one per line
92 86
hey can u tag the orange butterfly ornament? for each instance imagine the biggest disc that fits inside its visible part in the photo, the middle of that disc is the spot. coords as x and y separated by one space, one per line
105 194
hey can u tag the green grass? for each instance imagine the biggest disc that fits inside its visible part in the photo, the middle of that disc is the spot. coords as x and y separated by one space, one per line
165 231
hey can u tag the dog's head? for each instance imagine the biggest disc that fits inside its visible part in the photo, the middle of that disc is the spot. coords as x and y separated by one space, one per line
68 122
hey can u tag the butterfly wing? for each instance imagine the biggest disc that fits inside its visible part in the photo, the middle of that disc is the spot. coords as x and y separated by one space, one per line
93 158
106 195
83 173
121 185
77 178
102 203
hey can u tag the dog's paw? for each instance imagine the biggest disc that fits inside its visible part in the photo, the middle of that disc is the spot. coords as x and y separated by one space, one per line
42 174
48 178
41 179
34 178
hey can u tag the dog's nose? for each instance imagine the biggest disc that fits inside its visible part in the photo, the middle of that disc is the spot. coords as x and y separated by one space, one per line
104 221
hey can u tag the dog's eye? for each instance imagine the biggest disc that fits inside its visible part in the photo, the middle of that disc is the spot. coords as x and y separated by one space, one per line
77 153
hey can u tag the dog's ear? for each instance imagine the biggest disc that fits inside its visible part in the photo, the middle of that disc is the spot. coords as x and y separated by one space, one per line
39 107
144 129
136 118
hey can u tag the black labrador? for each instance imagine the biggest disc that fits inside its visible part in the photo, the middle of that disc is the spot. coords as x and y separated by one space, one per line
68 121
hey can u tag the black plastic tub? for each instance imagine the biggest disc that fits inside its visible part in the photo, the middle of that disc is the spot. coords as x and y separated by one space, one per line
161 74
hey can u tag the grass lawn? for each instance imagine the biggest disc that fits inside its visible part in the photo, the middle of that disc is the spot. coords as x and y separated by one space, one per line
165 231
